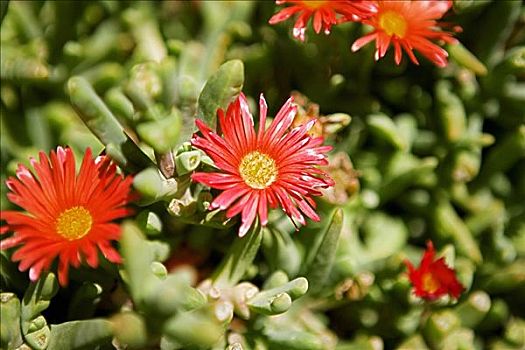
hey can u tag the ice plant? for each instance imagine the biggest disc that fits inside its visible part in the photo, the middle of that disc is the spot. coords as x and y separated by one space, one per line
325 13
433 278
68 215
409 25
263 169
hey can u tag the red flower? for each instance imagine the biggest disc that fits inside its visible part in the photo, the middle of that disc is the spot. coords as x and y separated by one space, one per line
68 215
433 278
409 25
270 168
325 13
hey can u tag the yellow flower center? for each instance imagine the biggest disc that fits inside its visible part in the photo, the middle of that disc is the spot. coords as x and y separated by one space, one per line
74 223
430 284
314 4
258 170
393 23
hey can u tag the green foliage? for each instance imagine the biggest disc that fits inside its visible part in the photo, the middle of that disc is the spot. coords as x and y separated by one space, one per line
321 255
221 89
436 154
86 334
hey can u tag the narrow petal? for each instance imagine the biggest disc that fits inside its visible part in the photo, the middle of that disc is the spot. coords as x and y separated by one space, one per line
226 198
248 214
284 14
263 109
263 208
359 43
216 180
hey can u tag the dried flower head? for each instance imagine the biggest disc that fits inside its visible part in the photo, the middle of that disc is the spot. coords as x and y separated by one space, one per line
346 179
325 125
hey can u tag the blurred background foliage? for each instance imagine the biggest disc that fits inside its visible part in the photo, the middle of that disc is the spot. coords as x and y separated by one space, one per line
429 154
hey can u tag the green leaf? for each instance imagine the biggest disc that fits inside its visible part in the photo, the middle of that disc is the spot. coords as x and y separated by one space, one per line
195 328
130 329
173 294
448 225
451 112
137 261
94 111
187 101
186 162
10 333
385 129
80 335
466 58
146 32
153 187
220 89
469 5
99 119
383 235
239 258
321 256
281 251
473 310
279 299
22 69
84 301
293 339
502 156
491 39
403 170
163 134
509 278
366 342
439 325
36 299
414 342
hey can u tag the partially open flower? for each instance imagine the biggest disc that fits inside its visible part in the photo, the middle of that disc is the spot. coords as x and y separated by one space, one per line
306 111
325 13
68 215
346 179
433 278
325 125
409 25
267 168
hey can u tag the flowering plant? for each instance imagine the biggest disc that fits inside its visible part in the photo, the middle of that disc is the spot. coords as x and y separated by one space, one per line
259 175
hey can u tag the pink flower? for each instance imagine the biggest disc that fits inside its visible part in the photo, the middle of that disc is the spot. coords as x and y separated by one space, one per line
325 13
263 169
409 25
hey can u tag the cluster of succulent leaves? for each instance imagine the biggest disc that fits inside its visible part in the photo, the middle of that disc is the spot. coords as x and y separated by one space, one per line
438 154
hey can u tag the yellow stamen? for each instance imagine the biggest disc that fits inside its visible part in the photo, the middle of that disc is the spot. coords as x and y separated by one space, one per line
430 284
258 170
74 223
314 4
393 23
